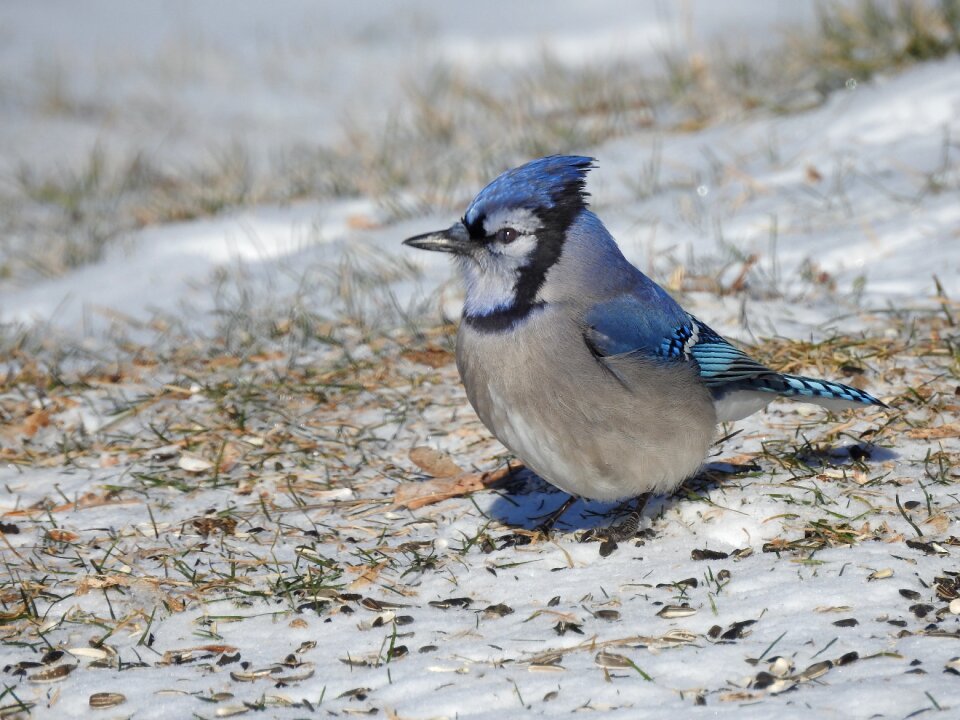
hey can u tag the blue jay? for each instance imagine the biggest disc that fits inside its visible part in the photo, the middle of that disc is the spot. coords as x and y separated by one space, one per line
578 362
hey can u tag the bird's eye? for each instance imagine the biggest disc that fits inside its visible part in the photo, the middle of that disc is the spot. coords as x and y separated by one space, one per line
507 235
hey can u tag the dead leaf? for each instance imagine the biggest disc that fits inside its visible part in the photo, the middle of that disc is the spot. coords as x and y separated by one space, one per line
419 494
65 536
207 525
435 463
939 522
34 421
950 430
432 356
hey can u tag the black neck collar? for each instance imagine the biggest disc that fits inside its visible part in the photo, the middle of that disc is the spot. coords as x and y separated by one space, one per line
502 318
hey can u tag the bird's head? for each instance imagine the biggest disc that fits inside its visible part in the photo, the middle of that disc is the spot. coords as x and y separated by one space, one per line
512 234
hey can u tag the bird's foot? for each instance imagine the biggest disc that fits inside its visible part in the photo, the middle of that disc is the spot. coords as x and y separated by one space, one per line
610 536
550 519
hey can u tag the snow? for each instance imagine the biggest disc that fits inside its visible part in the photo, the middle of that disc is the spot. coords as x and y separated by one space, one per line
850 189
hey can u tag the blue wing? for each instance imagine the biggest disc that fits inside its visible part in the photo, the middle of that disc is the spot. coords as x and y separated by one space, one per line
650 328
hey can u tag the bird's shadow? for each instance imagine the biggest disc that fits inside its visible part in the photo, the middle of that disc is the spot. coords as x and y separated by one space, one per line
524 500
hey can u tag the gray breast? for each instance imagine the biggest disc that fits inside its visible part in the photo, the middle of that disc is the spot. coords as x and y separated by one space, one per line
589 431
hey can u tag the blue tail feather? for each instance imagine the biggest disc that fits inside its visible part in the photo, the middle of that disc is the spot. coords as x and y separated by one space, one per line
799 386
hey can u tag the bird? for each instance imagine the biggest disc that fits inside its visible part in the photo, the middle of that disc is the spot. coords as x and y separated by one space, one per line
581 365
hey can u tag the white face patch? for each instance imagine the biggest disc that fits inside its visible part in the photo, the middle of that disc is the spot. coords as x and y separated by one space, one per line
491 272
522 220
491 275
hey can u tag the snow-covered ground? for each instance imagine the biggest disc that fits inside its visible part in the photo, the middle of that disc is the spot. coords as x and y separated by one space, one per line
127 468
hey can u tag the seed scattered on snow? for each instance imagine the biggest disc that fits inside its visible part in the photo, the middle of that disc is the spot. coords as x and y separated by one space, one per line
459 602
395 653
953 666
562 627
781 667
379 621
498 610
51 656
847 658
681 584
538 667
881 574
89 652
929 548
610 615
52 674
781 685
737 630
677 637
231 710
612 660
706 554
103 700
910 594
921 610
669 612
847 622
812 672
250 676
955 606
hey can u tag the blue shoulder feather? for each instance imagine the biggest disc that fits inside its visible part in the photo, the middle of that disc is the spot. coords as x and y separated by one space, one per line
649 324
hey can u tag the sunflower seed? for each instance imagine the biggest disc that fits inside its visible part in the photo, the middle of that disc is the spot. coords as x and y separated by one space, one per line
51 656
780 666
498 610
461 602
814 671
89 652
881 574
107 700
781 685
251 675
612 660
536 667
231 710
706 554
679 637
305 672
847 622
52 674
669 612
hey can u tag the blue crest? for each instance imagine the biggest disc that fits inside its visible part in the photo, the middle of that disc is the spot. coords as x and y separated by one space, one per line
540 185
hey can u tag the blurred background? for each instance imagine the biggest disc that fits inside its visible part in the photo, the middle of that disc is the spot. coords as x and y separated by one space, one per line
183 159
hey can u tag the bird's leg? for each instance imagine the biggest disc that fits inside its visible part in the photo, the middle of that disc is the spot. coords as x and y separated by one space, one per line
625 530
628 528
551 518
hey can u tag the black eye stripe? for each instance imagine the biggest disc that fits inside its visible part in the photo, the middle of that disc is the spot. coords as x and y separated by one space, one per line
475 228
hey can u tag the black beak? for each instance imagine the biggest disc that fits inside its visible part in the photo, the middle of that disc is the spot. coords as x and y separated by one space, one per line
454 239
